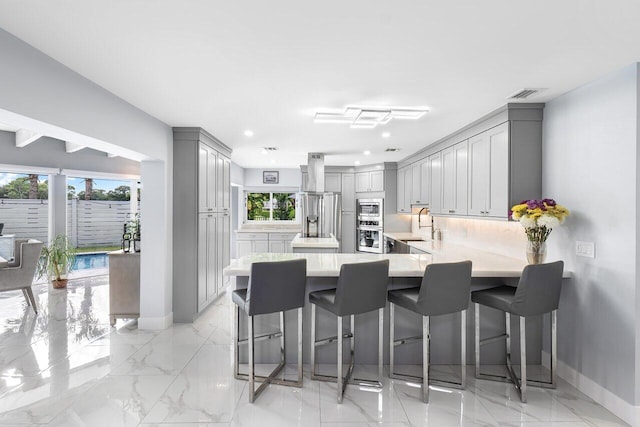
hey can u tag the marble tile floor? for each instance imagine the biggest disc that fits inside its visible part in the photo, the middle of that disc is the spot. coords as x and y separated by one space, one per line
67 367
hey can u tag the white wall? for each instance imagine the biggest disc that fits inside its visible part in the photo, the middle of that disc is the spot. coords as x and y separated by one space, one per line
590 162
42 95
288 178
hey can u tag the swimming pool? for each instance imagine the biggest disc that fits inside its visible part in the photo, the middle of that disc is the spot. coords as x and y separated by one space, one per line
91 261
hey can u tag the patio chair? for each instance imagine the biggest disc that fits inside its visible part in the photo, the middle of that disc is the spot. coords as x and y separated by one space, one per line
19 274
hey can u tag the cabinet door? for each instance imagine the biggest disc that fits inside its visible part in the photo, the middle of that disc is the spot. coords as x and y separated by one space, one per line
400 193
348 235
416 183
223 239
203 182
425 183
377 181
212 189
348 193
498 203
224 183
435 182
276 246
212 257
202 260
243 248
363 182
332 182
479 174
260 246
305 181
454 179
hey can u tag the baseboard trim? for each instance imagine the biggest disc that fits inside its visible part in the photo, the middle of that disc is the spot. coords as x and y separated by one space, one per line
155 323
618 406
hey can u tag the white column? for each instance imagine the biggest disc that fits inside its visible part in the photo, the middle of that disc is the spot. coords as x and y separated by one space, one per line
57 205
156 289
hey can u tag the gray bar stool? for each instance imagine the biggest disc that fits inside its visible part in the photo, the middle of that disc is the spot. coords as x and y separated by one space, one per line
362 287
538 293
273 287
445 289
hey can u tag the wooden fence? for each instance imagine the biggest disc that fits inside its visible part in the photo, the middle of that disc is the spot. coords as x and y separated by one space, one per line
89 222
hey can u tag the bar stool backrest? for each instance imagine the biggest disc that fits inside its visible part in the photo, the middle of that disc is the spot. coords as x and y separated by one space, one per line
362 287
276 286
445 288
538 289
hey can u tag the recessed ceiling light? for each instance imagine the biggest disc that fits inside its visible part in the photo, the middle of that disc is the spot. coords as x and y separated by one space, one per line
386 134
248 133
357 162
367 152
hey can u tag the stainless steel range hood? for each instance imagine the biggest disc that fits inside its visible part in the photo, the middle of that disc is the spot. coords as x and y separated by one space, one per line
315 169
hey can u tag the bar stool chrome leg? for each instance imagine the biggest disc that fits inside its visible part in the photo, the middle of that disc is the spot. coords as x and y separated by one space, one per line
341 378
426 337
522 382
250 341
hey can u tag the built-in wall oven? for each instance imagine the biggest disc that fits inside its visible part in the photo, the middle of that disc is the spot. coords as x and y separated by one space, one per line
370 226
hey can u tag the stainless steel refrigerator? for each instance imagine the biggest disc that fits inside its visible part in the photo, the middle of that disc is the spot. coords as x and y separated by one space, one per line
321 214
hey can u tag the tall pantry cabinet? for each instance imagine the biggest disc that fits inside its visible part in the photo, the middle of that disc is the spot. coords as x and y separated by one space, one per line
201 220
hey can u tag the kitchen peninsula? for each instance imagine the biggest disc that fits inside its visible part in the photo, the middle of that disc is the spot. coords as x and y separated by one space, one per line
405 270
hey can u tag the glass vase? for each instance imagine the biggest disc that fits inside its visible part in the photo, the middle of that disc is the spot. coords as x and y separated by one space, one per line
536 252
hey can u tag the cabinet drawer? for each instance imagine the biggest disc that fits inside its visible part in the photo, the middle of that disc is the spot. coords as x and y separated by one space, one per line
282 236
253 236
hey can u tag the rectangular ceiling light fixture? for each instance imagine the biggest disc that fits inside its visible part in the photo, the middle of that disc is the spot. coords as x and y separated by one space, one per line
363 117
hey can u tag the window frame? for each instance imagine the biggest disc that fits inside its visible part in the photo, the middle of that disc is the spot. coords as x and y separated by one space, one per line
246 219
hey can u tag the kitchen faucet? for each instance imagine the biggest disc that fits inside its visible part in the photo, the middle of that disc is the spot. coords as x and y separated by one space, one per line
433 231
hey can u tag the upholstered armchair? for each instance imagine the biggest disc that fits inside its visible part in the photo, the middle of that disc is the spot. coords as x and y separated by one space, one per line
19 273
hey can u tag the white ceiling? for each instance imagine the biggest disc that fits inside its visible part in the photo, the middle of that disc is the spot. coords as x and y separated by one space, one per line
229 66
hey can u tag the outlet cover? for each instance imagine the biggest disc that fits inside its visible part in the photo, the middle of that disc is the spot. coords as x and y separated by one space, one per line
586 249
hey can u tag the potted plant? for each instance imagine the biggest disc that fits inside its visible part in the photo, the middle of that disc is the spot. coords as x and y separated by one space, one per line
56 260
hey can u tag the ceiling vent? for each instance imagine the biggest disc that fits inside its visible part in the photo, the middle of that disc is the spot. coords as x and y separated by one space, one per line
525 93
392 150
270 148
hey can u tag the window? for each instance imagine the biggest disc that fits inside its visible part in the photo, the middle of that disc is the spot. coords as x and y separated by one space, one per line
271 206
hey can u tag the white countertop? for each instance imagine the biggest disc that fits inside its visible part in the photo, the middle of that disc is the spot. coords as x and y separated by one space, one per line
3 262
315 242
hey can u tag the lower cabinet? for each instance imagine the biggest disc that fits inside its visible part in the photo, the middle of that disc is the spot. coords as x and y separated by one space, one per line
250 243
214 231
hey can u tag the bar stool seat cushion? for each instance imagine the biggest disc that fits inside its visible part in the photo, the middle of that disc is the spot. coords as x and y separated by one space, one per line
405 298
325 299
239 297
500 298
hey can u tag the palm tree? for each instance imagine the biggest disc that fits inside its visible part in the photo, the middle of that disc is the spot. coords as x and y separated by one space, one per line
33 186
88 188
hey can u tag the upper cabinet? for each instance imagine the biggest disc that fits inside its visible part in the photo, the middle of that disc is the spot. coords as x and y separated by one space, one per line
404 190
489 172
482 169
348 192
454 179
207 164
333 182
369 181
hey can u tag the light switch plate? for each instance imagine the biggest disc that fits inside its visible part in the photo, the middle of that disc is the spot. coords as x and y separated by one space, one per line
586 249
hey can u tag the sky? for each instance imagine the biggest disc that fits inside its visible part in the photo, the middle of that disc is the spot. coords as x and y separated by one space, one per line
78 183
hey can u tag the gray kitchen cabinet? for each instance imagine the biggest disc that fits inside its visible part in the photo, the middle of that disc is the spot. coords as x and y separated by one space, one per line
435 182
348 233
425 183
333 182
348 192
454 179
404 189
201 221
260 242
348 219
244 247
372 181
416 184
489 172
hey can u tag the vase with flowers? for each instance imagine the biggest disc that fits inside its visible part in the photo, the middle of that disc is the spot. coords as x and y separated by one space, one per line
538 217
